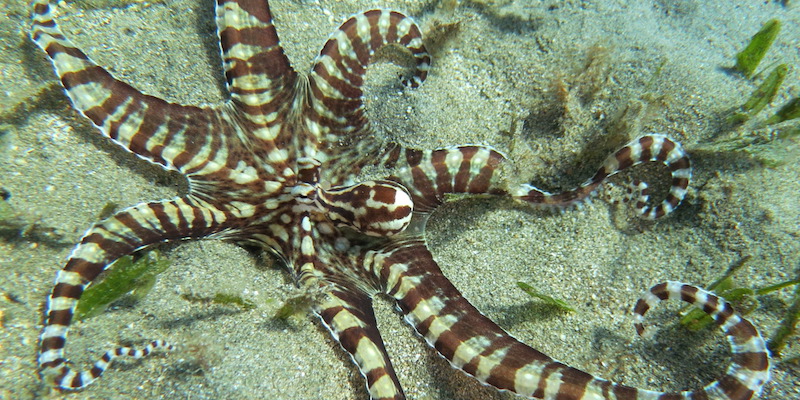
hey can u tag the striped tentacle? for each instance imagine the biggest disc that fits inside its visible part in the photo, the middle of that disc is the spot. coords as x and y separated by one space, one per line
258 74
654 148
430 174
119 235
477 346
750 367
168 134
460 333
336 113
337 76
347 312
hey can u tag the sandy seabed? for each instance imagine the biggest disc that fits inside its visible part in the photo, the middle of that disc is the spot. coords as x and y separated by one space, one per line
542 81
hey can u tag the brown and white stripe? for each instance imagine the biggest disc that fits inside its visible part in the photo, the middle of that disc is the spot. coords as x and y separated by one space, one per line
258 74
151 128
653 148
347 313
477 346
255 166
430 175
121 234
750 368
374 208
337 77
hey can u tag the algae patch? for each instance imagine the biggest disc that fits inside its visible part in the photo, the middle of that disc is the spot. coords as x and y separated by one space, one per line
129 274
748 59
559 304
762 96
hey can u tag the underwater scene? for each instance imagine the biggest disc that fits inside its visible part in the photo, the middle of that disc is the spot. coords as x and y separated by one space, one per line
422 199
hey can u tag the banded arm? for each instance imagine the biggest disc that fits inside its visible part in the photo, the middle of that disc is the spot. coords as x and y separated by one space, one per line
258 74
172 135
648 148
429 175
347 312
480 348
337 76
119 235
